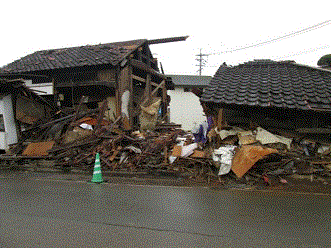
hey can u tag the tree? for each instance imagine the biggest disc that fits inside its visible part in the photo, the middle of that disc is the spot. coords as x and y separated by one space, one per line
325 60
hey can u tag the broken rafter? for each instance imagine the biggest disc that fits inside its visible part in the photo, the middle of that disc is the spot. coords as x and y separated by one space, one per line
140 65
143 80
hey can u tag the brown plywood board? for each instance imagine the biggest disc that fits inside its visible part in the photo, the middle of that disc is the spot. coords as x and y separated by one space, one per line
38 149
247 156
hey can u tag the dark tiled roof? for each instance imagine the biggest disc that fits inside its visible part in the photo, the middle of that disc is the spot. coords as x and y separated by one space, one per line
190 80
111 53
268 83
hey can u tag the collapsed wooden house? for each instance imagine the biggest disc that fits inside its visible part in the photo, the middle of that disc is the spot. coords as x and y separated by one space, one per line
125 74
279 96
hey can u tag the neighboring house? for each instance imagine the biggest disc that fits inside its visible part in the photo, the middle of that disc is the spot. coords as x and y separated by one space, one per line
19 106
123 73
185 107
280 95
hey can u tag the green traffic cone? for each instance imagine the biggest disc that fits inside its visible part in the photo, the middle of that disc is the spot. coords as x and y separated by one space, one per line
97 176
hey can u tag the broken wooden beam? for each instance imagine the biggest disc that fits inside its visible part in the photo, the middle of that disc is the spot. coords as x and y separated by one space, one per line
166 40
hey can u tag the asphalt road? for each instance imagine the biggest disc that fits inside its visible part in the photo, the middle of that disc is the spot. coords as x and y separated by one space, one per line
46 213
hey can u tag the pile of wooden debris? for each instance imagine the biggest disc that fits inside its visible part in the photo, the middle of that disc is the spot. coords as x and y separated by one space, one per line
72 139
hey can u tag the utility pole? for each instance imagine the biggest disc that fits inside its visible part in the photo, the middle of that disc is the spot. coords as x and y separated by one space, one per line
201 60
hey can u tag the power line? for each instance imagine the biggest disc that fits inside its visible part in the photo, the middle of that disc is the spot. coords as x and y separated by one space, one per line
202 62
302 52
302 31
289 55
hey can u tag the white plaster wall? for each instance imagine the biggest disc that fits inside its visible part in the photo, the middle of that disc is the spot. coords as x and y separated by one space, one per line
185 108
6 109
41 89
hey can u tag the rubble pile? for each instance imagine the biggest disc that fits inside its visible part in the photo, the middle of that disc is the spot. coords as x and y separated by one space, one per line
261 156
72 140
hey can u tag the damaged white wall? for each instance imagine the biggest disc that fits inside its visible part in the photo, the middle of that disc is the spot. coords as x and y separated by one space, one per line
8 132
185 108
41 88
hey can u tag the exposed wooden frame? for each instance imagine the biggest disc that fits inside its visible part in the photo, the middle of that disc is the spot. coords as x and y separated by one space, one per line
154 92
143 80
140 65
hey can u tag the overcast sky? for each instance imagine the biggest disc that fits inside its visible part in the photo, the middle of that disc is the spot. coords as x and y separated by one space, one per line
213 26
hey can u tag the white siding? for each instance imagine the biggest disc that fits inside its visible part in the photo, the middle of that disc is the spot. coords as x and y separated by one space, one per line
185 108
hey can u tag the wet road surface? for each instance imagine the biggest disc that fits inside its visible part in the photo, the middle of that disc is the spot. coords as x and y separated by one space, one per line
47 213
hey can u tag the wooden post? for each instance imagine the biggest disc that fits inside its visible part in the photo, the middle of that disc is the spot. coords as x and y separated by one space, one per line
220 119
124 83
147 93
164 102
101 115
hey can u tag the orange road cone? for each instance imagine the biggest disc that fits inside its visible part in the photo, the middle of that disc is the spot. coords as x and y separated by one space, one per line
97 176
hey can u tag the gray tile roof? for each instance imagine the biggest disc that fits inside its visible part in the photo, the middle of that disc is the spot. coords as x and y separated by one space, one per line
268 83
190 80
90 55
